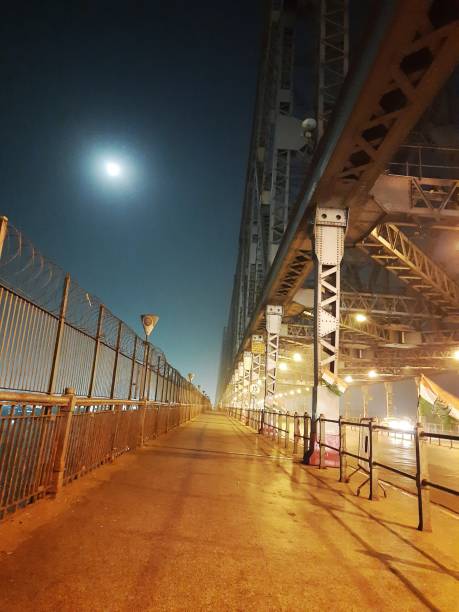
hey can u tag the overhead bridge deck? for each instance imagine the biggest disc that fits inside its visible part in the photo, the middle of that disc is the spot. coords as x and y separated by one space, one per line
213 517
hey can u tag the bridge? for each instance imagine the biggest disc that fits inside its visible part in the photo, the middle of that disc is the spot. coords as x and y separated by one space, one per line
122 487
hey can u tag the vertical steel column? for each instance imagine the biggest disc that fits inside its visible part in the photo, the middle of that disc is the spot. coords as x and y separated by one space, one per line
117 354
329 231
365 398
240 383
95 358
59 336
134 356
255 372
389 388
333 57
146 355
273 326
247 364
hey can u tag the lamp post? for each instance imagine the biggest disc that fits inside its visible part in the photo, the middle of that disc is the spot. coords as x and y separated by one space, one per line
149 322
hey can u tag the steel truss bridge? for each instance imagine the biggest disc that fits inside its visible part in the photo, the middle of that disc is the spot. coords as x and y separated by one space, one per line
349 231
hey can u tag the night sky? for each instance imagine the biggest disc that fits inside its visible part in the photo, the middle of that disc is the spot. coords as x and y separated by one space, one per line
167 89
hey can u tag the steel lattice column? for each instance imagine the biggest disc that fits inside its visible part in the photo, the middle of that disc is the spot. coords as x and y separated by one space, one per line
333 57
388 386
329 231
247 367
273 327
255 372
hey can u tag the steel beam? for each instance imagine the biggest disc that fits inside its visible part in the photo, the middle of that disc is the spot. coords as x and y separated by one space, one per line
390 247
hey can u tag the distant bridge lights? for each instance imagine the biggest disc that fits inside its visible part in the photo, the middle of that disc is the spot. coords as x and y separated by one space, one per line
348 379
297 357
372 374
360 317
283 366
456 355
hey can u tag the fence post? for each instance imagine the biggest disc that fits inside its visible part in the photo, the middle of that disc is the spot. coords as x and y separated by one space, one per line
374 472
142 422
305 431
342 450
296 432
96 350
3 232
422 477
63 443
321 441
134 356
59 335
117 354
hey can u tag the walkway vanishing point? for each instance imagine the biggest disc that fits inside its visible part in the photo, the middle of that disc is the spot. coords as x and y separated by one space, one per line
213 517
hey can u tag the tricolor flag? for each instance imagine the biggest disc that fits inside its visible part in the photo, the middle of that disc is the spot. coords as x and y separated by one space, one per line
333 382
435 402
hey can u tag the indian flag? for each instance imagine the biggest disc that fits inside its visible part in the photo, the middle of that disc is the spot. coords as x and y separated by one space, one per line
333 382
435 402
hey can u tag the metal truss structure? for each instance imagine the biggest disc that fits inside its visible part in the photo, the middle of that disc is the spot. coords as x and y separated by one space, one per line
390 247
333 57
400 200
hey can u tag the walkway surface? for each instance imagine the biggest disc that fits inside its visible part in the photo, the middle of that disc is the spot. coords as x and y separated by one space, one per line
211 517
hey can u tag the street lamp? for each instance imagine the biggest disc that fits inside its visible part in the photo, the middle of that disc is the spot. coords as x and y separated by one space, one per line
149 322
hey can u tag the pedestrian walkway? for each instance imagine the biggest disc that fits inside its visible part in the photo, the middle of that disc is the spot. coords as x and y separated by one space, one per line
213 517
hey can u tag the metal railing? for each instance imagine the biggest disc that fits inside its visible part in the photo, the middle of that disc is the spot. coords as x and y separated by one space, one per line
48 441
283 427
54 335
422 160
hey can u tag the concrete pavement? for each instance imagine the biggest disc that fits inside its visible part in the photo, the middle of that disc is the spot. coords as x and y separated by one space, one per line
212 517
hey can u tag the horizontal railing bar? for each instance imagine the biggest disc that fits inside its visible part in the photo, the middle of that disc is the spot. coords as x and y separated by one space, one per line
440 487
392 469
427 434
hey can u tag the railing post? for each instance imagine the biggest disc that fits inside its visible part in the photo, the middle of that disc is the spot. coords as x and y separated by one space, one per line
157 377
305 432
117 354
3 232
62 444
342 451
296 432
134 356
96 350
322 449
374 472
59 336
422 477
142 422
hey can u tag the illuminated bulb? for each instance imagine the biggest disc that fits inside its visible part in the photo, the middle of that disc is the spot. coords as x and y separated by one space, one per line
372 374
283 366
456 355
360 317
348 378
298 390
297 357
292 392
307 388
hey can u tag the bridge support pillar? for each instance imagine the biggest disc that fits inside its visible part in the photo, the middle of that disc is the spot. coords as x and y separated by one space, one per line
247 365
365 400
388 386
328 239
273 328
258 350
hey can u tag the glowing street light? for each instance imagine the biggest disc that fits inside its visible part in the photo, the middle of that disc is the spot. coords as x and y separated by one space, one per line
456 355
360 317
372 374
297 357
348 378
283 366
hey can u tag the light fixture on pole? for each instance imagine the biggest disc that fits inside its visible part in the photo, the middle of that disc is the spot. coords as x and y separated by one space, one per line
149 322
